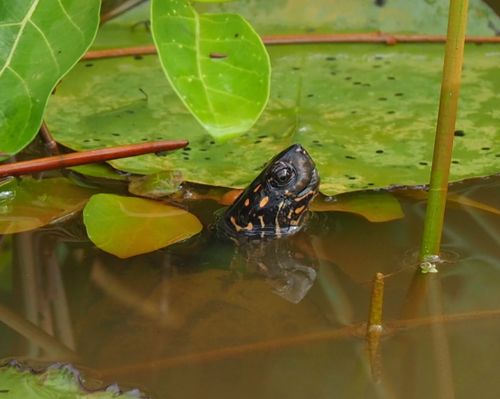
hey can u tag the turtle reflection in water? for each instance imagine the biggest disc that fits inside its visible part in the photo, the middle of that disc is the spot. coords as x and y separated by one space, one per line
273 207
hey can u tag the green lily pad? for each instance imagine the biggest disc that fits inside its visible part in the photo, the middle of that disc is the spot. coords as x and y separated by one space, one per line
372 205
394 16
59 381
327 16
128 226
40 41
28 204
366 114
99 170
216 64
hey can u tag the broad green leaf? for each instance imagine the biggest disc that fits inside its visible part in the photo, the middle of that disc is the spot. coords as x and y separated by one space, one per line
128 226
340 16
40 41
56 382
366 114
216 64
28 204
372 205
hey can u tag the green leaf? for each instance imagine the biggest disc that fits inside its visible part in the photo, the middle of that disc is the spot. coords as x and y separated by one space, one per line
128 226
40 41
58 381
373 205
28 204
216 64
366 113
99 170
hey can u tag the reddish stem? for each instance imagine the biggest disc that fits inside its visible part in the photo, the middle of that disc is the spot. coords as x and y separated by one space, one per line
90 156
316 38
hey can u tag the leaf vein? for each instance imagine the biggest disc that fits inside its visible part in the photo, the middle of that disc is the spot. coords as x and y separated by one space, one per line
23 24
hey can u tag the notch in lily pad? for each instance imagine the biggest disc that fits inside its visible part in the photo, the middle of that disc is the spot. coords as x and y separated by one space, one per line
216 63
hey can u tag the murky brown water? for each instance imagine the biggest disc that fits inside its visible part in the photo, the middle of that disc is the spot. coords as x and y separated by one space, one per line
193 321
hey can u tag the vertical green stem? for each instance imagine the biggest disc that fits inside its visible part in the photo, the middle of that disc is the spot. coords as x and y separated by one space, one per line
443 144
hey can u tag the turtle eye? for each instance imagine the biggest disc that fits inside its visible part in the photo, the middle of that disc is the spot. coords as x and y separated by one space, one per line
282 175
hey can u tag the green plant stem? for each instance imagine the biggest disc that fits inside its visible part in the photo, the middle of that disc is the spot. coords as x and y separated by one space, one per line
443 144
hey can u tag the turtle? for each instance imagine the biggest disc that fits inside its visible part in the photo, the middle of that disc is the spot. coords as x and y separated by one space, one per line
272 208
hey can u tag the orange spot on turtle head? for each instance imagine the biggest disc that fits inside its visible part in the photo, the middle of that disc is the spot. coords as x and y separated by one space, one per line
263 202
247 202
257 188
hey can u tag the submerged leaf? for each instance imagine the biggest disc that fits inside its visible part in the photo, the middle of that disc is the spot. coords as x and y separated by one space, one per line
28 204
156 185
216 64
59 381
128 226
40 41
365 113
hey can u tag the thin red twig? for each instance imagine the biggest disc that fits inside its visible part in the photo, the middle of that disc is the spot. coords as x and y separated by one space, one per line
90 156
316 38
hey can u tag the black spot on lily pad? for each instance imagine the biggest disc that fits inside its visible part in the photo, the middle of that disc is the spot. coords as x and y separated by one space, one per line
379 151
331 58
296 68
391 78
115 134
236 35
455 162
350 157
257 141
398 94
207 158
348 78
486 148
382 99
390 112
370 184
310 95
211 142
263 136
89 64
138 57
423 163
459 133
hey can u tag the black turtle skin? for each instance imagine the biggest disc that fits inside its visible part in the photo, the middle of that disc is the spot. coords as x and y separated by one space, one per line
275 203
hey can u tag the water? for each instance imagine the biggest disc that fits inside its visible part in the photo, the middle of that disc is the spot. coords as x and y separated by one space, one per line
195 321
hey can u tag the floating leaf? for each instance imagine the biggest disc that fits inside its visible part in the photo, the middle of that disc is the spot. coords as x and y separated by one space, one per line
40 41
28 204
59 381
395 16
128 226
372 205
366 114
216 63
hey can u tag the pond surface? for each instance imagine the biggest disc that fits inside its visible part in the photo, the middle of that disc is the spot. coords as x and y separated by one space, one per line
200 320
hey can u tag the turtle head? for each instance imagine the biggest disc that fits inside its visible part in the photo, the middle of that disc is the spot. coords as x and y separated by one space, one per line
275 203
